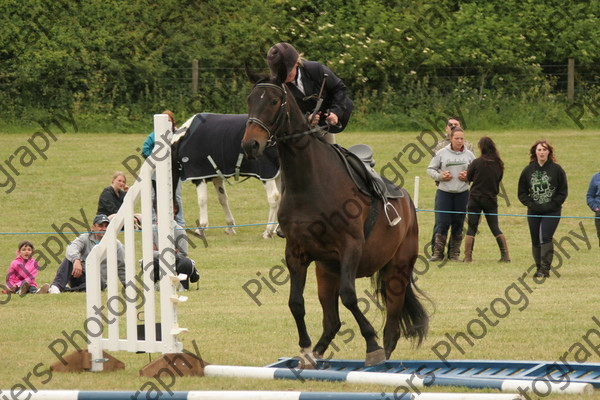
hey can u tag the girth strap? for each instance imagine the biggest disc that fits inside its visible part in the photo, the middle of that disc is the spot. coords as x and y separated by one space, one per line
371 218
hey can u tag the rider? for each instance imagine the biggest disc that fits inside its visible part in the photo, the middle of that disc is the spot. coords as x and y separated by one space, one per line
305 80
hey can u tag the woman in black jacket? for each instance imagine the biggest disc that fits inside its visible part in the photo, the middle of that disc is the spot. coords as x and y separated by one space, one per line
543 189
485 173
112 197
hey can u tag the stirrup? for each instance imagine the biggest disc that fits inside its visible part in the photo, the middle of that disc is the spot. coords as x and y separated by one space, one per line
396 220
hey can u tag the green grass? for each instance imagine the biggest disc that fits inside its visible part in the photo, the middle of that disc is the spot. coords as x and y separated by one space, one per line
230 328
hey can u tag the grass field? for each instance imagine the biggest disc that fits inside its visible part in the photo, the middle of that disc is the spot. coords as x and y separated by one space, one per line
540 321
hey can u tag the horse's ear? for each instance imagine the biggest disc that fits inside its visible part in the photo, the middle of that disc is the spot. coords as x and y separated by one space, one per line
253 76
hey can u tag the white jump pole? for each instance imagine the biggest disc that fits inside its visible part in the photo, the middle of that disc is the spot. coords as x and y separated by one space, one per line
416 193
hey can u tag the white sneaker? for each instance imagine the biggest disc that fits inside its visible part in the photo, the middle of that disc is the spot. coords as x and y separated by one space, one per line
54 289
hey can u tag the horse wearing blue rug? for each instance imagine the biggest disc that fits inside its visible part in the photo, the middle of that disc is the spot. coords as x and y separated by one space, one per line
208 148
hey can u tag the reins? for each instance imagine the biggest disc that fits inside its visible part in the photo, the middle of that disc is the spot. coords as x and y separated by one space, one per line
281 117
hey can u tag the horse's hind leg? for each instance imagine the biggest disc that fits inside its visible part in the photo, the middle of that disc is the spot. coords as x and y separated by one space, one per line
273 197
223 200
405 314
202 195
329 286
396 281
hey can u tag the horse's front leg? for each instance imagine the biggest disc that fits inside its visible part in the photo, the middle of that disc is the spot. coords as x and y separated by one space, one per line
224 201
273 198
348 267
297 268
329 290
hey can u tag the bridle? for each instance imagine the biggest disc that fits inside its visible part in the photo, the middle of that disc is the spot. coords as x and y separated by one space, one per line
282 115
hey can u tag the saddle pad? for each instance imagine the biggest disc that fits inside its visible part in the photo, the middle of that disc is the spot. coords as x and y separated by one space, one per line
220 137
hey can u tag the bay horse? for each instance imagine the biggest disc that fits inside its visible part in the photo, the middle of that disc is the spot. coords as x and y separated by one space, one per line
206 149
323 216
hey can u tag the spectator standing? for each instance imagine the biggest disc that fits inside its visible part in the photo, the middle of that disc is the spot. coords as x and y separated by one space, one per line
451 123
485 173
543 190
593 200
449 168
147 149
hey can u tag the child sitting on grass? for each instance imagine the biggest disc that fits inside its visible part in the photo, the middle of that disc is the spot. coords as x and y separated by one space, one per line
23 270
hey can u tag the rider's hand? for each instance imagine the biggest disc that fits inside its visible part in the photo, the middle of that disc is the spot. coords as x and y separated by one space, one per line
314 121
332 118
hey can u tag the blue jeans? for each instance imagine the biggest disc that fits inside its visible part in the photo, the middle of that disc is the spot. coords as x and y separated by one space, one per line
446 201
179 216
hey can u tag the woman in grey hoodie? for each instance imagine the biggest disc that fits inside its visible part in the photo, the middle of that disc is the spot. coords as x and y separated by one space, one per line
449 168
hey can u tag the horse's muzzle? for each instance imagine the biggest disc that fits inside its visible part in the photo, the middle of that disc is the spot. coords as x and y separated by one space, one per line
252 150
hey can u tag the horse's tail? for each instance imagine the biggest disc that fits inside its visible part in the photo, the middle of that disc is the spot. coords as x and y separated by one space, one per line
414 319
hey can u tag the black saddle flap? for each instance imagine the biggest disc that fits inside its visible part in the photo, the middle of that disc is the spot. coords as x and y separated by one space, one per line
364 176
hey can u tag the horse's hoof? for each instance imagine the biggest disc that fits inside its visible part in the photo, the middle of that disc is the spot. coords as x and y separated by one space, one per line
267 235
279 232
307 360
199 233
375 358
229 231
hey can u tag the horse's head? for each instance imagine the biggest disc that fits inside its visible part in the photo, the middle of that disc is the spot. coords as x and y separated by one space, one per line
267 113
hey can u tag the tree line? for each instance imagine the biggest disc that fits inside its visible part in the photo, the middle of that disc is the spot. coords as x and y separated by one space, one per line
119 61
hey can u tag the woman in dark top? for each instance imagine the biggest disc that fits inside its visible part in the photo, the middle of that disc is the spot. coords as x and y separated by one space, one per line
485 173
543 189
112 197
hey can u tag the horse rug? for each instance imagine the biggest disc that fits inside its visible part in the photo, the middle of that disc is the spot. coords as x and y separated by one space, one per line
212 147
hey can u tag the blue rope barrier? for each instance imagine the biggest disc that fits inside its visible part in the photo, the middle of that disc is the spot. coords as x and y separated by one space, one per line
139 230
275 223
507 215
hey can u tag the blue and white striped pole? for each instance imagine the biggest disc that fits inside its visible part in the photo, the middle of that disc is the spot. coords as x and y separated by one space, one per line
539 386
259 395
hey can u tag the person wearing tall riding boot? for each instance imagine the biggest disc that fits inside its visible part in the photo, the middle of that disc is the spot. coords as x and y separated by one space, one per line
451 123
543 190
485 174
449 168
309 81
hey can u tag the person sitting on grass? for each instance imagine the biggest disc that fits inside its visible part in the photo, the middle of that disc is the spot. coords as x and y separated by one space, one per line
183 264
112 197
72 269
23 270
